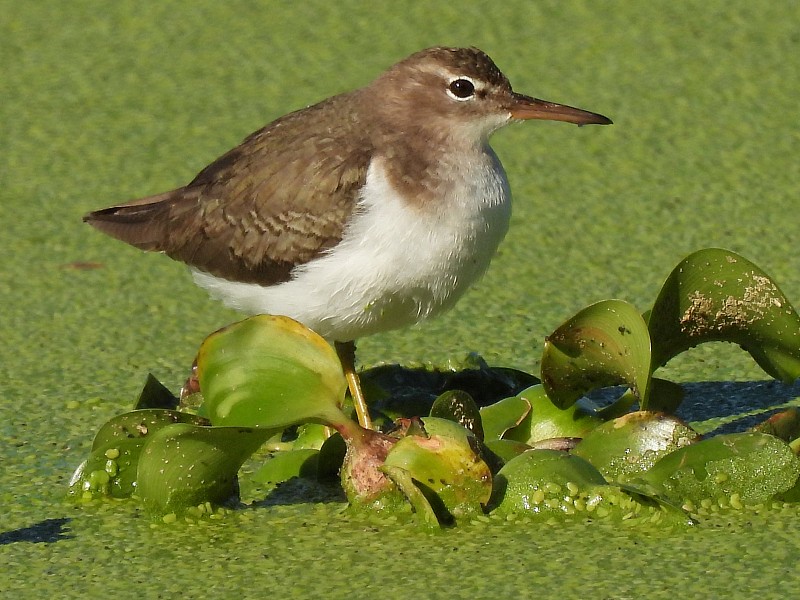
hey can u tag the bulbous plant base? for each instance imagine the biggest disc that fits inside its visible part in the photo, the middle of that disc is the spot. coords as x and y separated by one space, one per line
365 483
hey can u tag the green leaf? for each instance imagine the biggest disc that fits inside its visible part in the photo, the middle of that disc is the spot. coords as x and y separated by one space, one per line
730 470
717 295
501 416
628 446
539 481
507 449
459 407
139 424
270 371
110 469
155 394
183 465
555 485
311 435
605 344
429 518
283 466
546 420
448 464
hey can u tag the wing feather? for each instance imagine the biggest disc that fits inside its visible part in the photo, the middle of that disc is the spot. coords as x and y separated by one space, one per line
276 201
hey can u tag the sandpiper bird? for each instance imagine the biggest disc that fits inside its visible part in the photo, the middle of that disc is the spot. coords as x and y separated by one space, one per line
368 211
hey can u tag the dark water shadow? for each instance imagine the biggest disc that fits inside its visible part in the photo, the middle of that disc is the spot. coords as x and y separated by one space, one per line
43 532
395 390
738 405
752 401
303 491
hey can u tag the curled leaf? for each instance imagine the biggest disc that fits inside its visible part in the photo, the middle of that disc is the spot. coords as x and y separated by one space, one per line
184 465
503 415
270 371
546 420
447 464
717 295
459 407
139 424
111 467
605 344
543 481
430 510
550 484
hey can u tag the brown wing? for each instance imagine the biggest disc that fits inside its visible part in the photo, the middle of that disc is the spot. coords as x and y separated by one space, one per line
277 200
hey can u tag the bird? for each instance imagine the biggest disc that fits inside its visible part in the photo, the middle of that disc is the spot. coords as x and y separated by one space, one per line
369 211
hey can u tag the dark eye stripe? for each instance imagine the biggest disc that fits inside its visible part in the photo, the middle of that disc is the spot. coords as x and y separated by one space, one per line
462 88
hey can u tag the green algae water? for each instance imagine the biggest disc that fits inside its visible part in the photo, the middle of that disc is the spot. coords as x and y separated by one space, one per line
103 104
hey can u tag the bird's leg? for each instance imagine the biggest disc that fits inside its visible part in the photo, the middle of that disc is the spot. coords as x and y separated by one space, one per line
347 356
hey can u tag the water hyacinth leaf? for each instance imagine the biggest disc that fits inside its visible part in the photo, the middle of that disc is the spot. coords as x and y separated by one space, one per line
717 295
605 344
155 394
628 446
311 435
270 371
459 407
550 484
110 469
735 470
448 464
664 396
429 518
643 492
447 428
138 424
183 465
283 466
528 480
545 420
507 449
503 415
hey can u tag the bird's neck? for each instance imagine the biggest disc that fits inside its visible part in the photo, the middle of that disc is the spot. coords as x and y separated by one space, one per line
427 163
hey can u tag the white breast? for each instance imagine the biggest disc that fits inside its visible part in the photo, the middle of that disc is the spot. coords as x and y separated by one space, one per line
397 262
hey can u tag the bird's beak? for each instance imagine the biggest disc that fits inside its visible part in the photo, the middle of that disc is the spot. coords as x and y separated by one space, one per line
525 107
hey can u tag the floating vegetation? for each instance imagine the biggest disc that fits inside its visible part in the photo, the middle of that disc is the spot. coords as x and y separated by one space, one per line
475 440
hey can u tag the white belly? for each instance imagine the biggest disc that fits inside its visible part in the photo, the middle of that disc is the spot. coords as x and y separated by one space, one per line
396 264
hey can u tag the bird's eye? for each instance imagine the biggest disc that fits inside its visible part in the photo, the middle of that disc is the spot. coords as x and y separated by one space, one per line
461 89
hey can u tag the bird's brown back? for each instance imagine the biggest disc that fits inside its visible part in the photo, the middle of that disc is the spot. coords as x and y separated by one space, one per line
277 200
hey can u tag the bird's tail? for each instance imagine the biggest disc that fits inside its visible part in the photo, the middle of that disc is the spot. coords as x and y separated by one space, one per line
141 223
